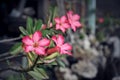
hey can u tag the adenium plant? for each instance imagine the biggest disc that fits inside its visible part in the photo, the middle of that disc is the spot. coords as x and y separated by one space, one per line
45 43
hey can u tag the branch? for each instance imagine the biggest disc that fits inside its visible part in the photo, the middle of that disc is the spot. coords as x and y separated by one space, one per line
21 70
9 40
4 54
10 57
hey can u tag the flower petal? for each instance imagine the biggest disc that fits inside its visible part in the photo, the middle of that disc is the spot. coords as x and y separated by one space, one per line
60 40
40 51
66 46
70 12
37 36
51 24
28 48
63 19
57 20
44 26
77 23
66 25
66 52
73 27
44 42
76 17
63 29
57 26
27 40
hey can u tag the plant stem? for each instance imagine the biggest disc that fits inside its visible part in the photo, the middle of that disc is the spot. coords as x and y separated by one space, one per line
21 70
9 40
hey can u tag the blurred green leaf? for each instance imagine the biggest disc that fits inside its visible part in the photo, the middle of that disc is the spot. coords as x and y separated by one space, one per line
22 76
42 72
38 25
29 25
46 32
33 56
54 14
23 31
53 63
53 55
16 49
60 63
51 44
35 75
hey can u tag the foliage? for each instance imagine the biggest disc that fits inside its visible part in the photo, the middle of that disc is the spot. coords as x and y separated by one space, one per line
43 44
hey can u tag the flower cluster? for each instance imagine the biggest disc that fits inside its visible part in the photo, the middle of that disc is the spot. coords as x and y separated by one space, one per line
71 20
41 45
45 43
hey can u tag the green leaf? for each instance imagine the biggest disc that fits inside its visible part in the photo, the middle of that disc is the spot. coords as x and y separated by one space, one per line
49 32
53 63
35 75
60 63
51 44
23 31
54 14
16 49
22 76
42 72
53 55
29 25
38 25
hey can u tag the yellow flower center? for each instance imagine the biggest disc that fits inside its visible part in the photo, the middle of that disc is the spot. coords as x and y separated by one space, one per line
30 36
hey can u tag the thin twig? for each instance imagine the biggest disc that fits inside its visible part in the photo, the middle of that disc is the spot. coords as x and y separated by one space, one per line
10 57
4 54
21 70
9 40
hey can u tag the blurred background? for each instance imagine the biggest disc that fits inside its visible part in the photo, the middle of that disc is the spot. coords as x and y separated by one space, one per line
96 47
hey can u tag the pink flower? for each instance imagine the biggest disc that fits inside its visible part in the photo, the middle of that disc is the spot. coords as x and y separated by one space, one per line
62 23
35 43
73 20
101 20
44 26
64 48
51 24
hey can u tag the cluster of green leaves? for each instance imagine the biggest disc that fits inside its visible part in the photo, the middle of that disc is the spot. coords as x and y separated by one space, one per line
31 26
38 74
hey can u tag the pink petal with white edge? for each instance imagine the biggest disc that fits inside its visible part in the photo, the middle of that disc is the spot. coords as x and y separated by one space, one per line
57 20
37 36
66 46
77 23
63 19
51 24
60 40
66 52
44 42
62 29
57 26
73 27
76 17
28 48
66 25
70 12
27 40
40 51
